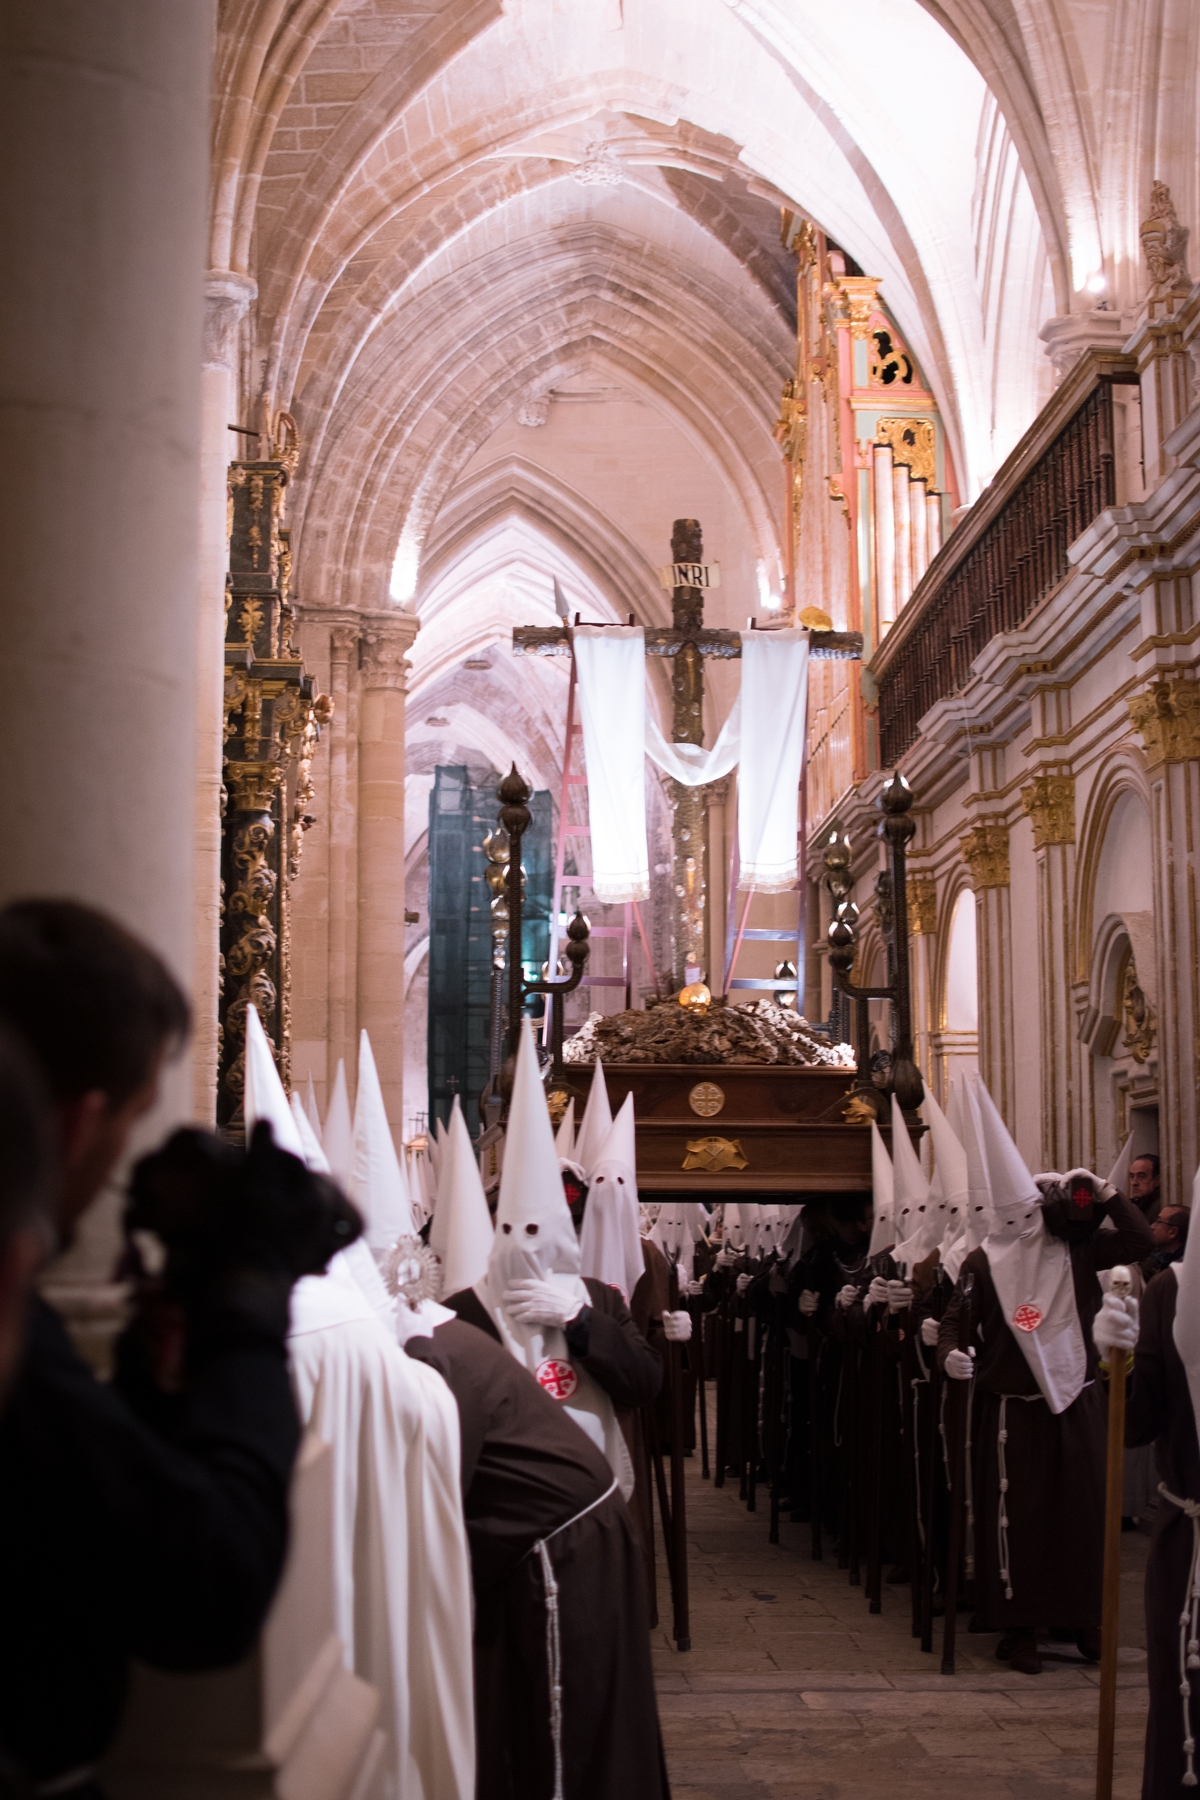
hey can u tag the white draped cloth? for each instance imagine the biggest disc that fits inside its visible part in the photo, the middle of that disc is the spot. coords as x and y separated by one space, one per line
402 1578
763 735
610 662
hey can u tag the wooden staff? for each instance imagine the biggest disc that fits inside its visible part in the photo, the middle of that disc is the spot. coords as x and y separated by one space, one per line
696 1360
678 1527
873 1361
1119 1284
929 1480
958 1491
725 1341
816 1489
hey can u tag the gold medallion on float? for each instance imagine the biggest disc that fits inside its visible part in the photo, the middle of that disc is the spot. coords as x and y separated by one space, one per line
706 1099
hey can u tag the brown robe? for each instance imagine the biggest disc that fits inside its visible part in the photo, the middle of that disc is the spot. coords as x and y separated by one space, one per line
531 1476
1054 1462
1160 1411
627 1368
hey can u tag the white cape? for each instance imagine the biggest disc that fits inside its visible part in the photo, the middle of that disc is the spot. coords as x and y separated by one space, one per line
1036 1288
402 1578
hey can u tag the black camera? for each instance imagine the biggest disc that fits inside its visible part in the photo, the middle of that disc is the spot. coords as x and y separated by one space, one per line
216 1207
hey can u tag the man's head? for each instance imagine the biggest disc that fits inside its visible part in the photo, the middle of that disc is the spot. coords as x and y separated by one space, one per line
1144 1182
27 1169
1170 1230
101 1014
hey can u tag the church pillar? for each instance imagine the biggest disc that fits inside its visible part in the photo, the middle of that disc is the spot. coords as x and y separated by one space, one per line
226 298
342 814
1167 715
386 638
103 194
1049 799
922 925
985 852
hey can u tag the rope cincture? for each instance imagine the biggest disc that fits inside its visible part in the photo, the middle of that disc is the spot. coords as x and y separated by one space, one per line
1189 1630
554 1632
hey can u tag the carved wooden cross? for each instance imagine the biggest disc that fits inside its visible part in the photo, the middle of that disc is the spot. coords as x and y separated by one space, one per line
689 640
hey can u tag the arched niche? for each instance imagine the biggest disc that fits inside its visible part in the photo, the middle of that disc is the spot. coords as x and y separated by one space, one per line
956 1041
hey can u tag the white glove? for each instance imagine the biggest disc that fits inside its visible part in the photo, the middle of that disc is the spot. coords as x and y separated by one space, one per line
533 1302
847 1296
877 1293
929 1333
724 1259
677 1327
1116 1324
743 1282
899 1295
810 1300
695 1288
960 1365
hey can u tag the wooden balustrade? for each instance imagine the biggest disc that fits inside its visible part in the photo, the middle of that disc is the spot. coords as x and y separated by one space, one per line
1007 555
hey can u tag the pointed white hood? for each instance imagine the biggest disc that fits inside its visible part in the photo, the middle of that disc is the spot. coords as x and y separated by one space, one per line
733 1232
950 1188
337 1139
314 1156
564 1137
263 1097
535 1237
310 1109
679 1227
1031 1269
910 1195
597 1123
461 1235
377 1184
883 1191
610 1245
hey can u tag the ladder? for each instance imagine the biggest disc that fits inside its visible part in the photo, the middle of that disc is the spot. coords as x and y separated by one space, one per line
580 834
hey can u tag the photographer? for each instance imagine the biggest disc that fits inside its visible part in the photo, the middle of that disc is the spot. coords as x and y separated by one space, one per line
147 1518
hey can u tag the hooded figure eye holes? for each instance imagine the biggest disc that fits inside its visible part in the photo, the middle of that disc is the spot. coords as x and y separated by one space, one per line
507 1228
531 1231
620 1181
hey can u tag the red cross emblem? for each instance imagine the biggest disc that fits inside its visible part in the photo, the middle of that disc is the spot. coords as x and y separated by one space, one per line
1027 1317
558 1378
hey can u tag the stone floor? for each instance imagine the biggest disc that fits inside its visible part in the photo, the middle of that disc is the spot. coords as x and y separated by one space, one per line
792 1691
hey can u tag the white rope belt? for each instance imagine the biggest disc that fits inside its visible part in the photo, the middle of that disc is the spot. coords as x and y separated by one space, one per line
1002 1515
1189 1636
554 1632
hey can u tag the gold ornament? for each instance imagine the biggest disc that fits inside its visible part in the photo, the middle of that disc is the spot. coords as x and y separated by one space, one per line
706 1099
412 1272
714 1154
697 997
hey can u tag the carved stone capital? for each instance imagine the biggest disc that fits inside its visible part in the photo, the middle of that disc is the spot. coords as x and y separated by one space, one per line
343 642
386 640
253 784
1050 802
1167 715
922 905
1068 336
985 852
226 298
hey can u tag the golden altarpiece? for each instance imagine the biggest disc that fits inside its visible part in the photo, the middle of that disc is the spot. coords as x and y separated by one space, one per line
273 719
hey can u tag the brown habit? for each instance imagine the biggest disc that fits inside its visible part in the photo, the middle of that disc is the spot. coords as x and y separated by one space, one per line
1160 1411
1054 1461
528 1474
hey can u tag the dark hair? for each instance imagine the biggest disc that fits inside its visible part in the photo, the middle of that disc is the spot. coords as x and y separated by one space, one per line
1147 1156
96 1006
1176 1219
27 1153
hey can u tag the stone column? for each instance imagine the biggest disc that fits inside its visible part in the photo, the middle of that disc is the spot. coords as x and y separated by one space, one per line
1049 799
985 852
226 297
386 638
922 925
1167 714
342 813
103 198
103 193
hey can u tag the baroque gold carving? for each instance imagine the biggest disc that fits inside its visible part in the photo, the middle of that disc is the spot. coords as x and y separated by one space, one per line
1167 715
913 443
253 784
922 905
859 293
713 1154
985 852
1137 1016
1050 802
